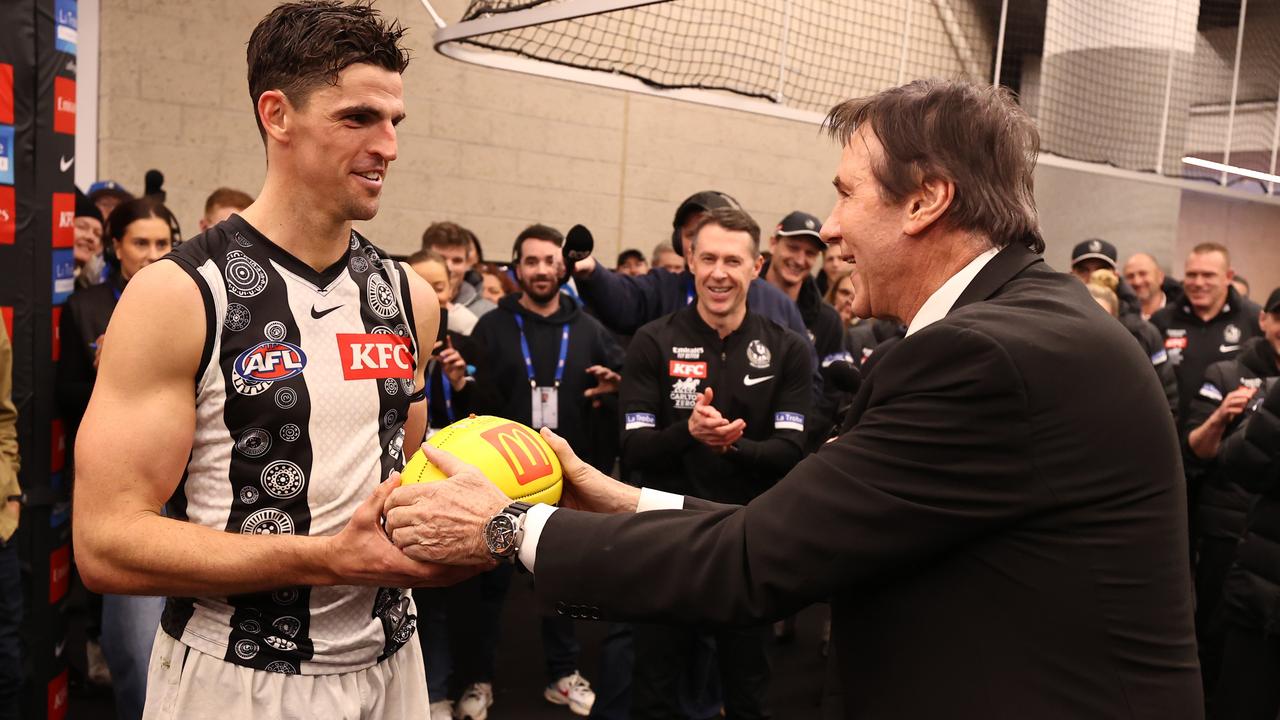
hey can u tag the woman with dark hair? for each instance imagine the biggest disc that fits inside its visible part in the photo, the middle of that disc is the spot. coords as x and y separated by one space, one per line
497 284
138 233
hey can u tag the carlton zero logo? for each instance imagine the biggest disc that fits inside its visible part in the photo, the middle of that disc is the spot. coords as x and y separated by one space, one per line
64 105
375 356
521 450
686 369
270 361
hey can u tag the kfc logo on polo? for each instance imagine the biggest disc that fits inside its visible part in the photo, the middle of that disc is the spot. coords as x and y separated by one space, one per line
64 105
683 369
374 357
270 361
521 450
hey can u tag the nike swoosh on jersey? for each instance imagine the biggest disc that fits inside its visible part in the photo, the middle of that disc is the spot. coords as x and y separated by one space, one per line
749 381
317 314
64 163
1228 348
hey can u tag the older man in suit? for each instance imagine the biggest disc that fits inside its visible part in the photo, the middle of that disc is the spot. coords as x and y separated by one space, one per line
995 543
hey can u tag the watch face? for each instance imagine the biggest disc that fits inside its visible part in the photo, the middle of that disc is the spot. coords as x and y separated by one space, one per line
500 535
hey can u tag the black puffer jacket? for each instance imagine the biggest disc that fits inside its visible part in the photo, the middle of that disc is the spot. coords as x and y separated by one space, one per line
1252 457
1223 505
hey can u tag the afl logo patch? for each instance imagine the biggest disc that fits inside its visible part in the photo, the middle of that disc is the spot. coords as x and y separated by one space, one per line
267 521
282 479
381 297
246 649
758 356
270 361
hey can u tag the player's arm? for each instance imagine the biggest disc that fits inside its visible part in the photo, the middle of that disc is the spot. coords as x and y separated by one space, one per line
623 303
426 320
130 455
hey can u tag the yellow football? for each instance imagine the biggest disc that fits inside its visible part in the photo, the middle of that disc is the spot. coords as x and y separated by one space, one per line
511 455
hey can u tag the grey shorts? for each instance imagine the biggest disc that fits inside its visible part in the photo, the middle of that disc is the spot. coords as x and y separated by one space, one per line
185 684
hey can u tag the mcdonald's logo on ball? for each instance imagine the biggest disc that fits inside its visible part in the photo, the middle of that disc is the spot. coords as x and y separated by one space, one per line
511 455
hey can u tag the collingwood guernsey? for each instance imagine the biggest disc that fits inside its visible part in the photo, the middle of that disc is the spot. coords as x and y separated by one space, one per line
301 398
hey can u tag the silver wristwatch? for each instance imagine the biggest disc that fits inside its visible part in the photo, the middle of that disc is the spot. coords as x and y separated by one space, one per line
504 532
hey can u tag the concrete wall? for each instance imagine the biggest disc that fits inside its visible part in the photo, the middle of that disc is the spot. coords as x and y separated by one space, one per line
496 150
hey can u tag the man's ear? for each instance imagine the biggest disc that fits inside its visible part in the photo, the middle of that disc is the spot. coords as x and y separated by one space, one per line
274 111
928 204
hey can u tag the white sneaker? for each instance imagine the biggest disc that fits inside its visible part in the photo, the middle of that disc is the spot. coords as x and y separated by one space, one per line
475 702
573 691
442 710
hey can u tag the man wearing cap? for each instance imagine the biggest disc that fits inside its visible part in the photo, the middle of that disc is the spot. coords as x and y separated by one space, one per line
795 248
631 262
107 194
1231 392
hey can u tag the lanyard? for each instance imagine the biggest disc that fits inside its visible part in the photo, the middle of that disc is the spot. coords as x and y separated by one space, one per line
528 358
446 389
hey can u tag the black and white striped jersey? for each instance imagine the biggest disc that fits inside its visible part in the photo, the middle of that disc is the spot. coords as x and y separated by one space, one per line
301 399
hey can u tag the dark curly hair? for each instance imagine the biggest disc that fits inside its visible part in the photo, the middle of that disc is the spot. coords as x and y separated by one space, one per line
299 46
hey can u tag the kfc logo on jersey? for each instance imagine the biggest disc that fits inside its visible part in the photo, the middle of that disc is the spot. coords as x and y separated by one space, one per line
683 369
64 216
374 357
64 105
270 361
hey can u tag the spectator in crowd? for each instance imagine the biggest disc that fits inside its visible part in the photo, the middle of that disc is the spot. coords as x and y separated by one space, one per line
87 227
1221 406
138 233
11 595
1096 254
459 247
666 258
1103 284
431 266
795 245
107 194
832 268
729 447
497 284
839 295
1249 608
221 204
1210 324
631 262
1241 285
1150 285
545 363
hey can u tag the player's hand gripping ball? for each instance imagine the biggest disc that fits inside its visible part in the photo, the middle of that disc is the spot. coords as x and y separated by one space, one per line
511 455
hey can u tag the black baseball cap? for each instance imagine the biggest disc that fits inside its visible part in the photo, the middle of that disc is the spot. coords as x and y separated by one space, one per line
696 203
1273 301
86 208
1094 248
801 224
630 254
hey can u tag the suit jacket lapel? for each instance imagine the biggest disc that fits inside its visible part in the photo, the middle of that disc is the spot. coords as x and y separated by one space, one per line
1013 259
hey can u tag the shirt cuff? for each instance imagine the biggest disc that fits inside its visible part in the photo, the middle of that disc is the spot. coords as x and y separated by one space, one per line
534 520
651 499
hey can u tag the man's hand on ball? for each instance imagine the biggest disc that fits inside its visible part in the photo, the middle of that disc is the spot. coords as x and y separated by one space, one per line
586 488
361 554
443 522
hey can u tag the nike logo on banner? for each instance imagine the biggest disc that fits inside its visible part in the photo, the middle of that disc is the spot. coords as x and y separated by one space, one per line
749 381
1228 348
64 163
317 314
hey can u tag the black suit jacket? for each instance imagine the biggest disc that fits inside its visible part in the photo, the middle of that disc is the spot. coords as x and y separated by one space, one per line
1002 532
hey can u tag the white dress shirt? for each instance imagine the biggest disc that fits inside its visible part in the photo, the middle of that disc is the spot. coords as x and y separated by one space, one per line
933 310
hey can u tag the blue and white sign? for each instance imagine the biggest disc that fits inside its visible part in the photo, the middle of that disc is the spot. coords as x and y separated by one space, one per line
6 154
64 275
65 26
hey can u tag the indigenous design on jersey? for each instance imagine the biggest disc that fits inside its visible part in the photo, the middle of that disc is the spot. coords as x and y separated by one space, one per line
300 405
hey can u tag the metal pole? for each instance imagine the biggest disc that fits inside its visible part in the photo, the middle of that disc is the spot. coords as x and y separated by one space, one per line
906 35
1235 87
781 94
1004 17
1275 144
1168 91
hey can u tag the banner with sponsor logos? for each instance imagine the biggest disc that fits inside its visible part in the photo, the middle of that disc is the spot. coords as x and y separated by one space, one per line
37 209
